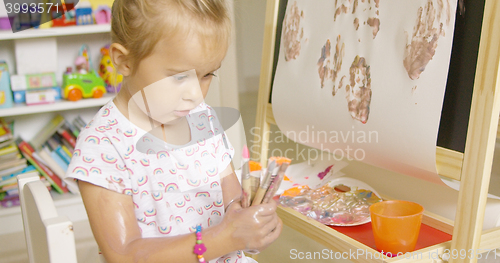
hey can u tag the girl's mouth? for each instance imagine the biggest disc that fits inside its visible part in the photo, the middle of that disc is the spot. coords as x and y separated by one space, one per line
181 113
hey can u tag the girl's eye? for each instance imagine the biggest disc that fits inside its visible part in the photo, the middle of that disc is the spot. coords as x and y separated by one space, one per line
179 77
211 74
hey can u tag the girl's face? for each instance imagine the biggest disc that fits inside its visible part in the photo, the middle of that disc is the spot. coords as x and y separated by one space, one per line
174 79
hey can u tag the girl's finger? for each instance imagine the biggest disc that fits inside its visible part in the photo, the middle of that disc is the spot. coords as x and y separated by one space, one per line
265 209
276 231
271 225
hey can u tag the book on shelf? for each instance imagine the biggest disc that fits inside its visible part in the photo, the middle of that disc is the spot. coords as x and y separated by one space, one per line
11 178
11 161
79 124
67 146
73 129
28 152
67 135
11 164
47 131
4 174
51 163
56 145
11 148
68 150
11 157
5 132
49 152
57 169
9 191
55 156
7 142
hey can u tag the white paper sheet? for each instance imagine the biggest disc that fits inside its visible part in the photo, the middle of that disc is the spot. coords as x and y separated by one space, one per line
395 106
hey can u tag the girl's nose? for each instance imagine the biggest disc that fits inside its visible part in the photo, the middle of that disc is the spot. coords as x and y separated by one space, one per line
192 90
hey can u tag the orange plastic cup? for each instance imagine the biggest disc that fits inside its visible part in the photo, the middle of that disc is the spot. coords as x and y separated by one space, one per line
396 225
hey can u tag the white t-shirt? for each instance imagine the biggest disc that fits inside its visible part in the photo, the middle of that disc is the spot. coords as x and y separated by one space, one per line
174 188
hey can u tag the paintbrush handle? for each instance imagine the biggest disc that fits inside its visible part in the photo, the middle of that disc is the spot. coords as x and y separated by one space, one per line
254 186
257 200
245 184
275 184
246 192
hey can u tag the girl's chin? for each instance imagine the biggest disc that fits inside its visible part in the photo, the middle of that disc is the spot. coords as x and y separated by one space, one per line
171 120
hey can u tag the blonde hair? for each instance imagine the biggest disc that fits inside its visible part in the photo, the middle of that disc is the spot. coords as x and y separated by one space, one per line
138 25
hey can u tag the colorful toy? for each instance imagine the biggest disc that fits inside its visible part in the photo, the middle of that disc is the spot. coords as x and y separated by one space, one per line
4 18
108 72
84 13
44 83
5 92
82 65
102 14
5 23
85 83
65 18
34 97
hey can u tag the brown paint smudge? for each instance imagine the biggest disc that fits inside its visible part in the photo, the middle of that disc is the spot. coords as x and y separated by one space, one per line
325 69
293 32
375 23
359 91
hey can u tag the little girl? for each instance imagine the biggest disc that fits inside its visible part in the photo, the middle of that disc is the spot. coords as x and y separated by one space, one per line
154 165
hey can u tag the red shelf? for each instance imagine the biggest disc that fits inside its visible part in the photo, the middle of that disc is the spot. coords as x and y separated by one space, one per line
428 236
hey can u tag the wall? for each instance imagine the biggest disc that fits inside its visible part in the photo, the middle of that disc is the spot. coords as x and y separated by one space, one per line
249 20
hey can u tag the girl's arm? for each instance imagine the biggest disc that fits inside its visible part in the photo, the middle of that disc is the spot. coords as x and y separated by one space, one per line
231 187
114 225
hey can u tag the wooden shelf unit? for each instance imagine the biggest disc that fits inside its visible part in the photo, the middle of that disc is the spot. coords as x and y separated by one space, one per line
69 40
29 119
55 31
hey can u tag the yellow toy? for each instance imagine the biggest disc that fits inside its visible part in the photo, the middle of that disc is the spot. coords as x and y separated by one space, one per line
108 72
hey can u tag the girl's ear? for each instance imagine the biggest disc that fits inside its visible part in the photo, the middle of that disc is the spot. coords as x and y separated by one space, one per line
119 57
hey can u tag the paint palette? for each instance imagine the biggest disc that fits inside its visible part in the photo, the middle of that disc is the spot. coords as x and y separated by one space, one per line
313 174
341 202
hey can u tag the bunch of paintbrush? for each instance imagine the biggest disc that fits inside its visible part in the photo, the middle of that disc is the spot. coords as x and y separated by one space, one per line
250 178
256 188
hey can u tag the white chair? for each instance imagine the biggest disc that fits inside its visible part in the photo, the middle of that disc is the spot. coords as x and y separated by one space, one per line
49 237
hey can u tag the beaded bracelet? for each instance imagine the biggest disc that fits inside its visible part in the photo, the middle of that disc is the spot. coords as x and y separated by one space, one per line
199 248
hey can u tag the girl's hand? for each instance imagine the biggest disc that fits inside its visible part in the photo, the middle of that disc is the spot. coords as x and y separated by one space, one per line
253 228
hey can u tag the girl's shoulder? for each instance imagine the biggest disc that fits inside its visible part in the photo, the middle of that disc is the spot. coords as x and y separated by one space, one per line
107 119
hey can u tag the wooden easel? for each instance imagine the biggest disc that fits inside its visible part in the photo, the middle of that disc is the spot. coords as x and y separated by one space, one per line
472 168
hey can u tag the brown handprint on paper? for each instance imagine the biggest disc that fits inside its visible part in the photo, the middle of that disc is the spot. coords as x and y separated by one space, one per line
426 33
359 93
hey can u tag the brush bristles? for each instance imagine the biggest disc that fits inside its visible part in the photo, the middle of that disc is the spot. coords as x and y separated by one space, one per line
280 160
254 166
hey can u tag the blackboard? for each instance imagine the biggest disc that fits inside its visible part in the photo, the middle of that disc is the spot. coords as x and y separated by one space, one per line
458 95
